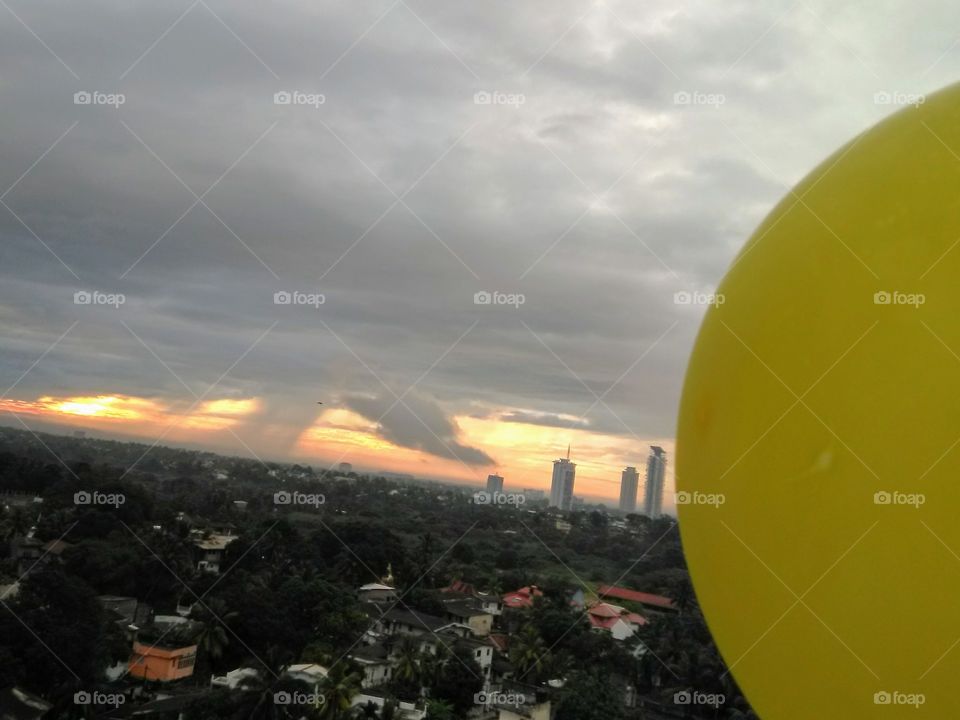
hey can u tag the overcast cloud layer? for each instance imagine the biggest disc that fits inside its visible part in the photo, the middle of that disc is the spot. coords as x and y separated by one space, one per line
625 154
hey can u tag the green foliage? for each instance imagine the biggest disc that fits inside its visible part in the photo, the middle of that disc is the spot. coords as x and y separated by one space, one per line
459 680
54 634
591 695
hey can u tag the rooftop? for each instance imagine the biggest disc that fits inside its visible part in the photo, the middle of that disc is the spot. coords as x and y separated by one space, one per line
430 623
636 596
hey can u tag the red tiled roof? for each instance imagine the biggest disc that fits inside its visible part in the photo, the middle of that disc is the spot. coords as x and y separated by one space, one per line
604 615
605 610
522 598
601 622
459 586
636 596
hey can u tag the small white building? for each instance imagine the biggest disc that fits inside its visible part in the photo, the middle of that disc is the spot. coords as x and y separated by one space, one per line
377 592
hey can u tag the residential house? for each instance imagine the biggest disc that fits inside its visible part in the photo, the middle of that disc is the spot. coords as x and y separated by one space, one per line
166 650
620 623
411 622
460 590
522 598
310 674
490 603
655 604
375 662
377 592
469 613
480 650
210 549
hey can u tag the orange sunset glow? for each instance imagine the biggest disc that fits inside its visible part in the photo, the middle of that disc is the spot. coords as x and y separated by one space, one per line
136 415
524 451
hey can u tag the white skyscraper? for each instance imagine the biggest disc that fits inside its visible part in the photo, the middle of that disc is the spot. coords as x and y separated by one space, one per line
561 486
653 490
629 480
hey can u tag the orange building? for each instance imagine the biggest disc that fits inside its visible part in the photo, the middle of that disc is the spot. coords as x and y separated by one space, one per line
164 653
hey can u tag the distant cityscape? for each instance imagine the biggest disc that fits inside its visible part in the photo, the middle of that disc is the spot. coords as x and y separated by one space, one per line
564 479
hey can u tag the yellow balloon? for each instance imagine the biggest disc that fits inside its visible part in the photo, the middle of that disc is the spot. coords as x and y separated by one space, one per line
818 453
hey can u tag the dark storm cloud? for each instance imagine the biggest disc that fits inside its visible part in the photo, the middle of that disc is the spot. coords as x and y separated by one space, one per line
496 198
417 422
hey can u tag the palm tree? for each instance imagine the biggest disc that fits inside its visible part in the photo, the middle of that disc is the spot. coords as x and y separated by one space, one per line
432 663
341 686
408 657
213 639
527 651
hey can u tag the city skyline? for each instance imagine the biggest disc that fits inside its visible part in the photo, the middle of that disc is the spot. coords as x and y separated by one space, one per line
562 482
654 486
494 484
629 481
599 464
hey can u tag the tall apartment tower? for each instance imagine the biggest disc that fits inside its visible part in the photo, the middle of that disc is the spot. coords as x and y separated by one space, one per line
561 486
653 490
629 479
494 484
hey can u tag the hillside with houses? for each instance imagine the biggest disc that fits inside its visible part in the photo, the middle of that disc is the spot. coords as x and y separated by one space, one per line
210 587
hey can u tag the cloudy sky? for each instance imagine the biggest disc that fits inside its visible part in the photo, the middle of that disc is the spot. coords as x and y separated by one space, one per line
394 158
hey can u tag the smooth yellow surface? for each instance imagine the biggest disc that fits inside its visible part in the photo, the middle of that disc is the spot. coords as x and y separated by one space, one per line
803 399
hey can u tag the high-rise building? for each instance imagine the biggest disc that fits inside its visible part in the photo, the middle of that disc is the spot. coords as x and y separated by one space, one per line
561 486
653 490
629 480
494 484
